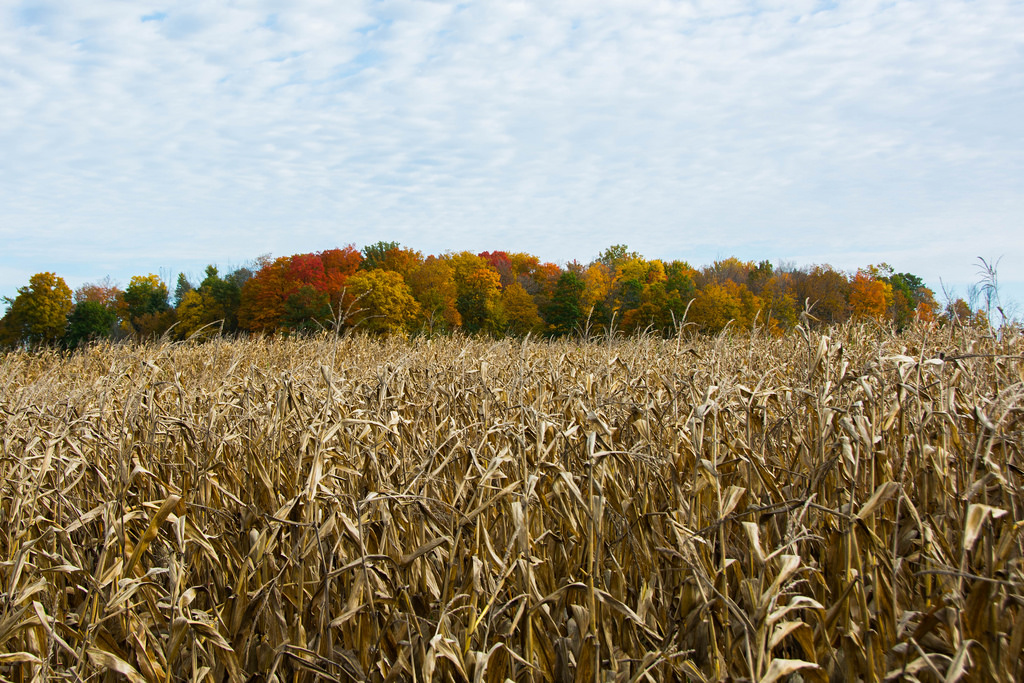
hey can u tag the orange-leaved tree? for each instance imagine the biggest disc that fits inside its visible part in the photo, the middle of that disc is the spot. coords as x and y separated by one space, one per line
868 296
302 291
339 265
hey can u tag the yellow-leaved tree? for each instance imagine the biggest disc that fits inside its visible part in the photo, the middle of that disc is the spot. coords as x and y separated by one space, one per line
38 314
385 303
433 285
517 311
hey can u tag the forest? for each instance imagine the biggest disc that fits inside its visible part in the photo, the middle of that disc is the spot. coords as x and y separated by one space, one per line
386 288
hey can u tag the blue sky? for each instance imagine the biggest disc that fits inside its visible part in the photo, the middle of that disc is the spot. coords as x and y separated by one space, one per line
142 137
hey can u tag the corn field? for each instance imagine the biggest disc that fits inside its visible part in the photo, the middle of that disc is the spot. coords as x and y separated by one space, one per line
834 505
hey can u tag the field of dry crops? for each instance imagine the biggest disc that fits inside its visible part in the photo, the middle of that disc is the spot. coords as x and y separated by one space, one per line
843 507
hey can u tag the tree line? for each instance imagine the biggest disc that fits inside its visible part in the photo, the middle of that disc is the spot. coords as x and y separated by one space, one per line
386 288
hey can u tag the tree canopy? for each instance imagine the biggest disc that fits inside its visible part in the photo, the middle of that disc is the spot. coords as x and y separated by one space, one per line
389 289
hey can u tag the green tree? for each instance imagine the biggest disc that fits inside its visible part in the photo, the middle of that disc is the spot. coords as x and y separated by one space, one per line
307 310
145 309
182 288
89 320
38 314
376 255
565 314
615 255
219 301
910 298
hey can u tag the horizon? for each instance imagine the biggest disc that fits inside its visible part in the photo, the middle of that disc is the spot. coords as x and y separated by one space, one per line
944 293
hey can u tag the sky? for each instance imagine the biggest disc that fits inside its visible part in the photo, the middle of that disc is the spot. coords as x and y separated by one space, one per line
149 137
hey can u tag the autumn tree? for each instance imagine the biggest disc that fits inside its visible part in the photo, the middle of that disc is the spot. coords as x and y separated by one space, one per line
729 269
716 305
540 282
479 291
523 264
518 314
868 296
338 266
385 302
959 312
501 262
779 303
478 288
191 314
307 269
38 314
302 291
597 286
310 304
433 285
104 292
908 299
265 295
927 311
827 290
390 256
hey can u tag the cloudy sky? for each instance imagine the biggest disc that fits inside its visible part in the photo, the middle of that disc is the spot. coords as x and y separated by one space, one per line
140 137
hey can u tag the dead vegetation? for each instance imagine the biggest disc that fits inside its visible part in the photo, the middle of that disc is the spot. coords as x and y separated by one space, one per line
847 507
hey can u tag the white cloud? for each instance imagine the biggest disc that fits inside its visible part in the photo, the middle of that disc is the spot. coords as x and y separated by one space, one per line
137 137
